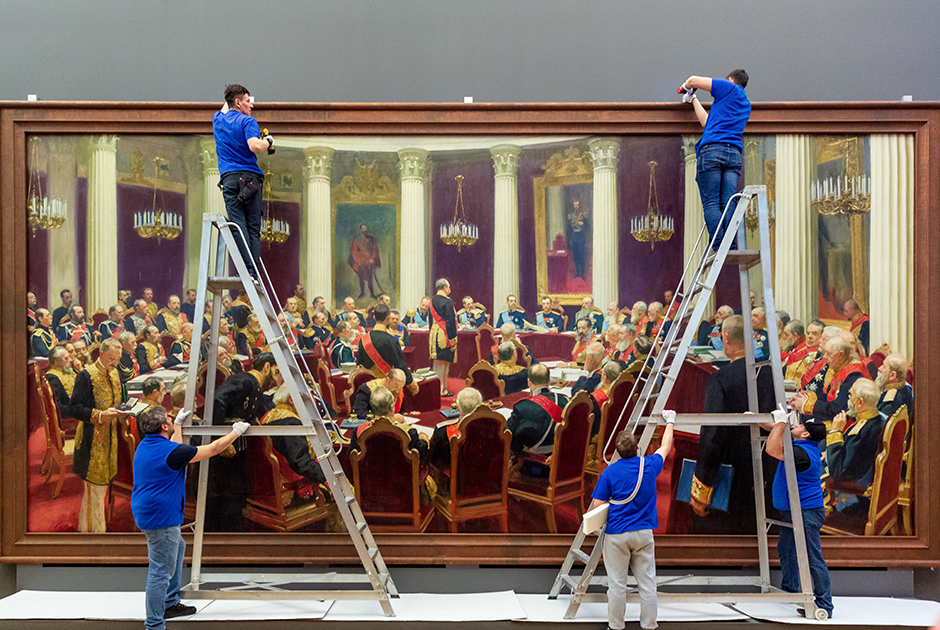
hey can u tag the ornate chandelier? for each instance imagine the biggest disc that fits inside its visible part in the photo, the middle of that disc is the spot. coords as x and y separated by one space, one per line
846 195
458 232
652 227
158 223
42 213
272 230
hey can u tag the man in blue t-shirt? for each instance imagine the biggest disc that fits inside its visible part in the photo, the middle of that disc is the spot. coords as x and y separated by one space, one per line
629 486
157 505
807 459
237 140
719 149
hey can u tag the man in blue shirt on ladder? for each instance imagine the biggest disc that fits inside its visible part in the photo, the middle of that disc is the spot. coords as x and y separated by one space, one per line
629 487
719 149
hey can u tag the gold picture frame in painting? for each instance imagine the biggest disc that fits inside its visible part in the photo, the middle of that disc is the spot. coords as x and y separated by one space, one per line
366 186
573 166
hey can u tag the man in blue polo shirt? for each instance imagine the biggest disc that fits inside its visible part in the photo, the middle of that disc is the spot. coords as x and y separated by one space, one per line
807 459
157 505
629 486
237 140
719 149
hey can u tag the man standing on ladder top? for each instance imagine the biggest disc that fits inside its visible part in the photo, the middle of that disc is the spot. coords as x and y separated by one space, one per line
237 140
719 150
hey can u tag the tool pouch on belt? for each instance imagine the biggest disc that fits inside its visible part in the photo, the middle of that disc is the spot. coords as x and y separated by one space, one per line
248 187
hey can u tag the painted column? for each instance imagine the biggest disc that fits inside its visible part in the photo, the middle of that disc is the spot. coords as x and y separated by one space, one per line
796 281
316 230
412 266
555 213
892 243
211 202
101 283
505 223
694 217
605 255
63 264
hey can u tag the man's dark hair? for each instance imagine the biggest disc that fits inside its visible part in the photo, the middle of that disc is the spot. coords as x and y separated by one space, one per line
797 327
63 292
261 359
151 420
643 344
738 77
380 313
816 430
626 444
237 91
150 385
818 323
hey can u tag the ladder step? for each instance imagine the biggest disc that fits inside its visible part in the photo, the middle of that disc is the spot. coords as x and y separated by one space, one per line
760 364
373 552
571 581
362 526
771 521
350 499
223 283
580 555
746 258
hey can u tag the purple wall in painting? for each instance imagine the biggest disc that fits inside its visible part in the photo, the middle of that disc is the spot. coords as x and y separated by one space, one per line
81 231
37 256
282 259
144 262
646 274
470 270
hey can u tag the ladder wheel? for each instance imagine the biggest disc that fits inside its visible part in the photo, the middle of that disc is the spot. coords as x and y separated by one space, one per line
821 615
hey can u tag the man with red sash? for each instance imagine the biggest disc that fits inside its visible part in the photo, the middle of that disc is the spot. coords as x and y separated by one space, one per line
379 351
394 382
639 319
149 352
813 363
582 337
598 389
533 419
841 374
294 449
468 399
182 346
75 328
655 314
113 326
860 322
442 340
794 348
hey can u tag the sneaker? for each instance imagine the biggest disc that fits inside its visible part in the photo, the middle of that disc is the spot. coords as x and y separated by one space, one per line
179 609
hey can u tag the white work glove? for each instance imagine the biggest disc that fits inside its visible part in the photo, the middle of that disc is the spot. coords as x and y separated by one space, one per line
181 416
688 97
669 416
270 140
780 416
240 427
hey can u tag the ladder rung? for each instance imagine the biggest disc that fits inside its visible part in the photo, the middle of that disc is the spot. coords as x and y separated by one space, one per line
760 364
373 552
571 581
350 499
580 555
362 526
772 521
746 258
223 283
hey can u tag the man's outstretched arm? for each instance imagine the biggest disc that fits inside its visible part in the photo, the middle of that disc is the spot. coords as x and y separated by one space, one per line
699 83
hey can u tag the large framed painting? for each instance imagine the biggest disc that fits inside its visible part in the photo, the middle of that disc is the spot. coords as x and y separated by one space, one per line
102 205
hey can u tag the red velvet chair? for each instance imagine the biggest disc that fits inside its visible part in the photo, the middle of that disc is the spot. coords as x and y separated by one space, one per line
123 483
476 486
58 456
357 378
484 378
387 479
97 318
167 341
617 399
884 488
322 375
485 338
128 314
279 498
565 481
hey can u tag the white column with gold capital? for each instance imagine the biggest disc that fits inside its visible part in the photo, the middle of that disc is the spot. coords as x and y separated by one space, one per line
316 230
796 273
412 266
605 274
892 243
694 217
63 269
211 201
505 224
101 282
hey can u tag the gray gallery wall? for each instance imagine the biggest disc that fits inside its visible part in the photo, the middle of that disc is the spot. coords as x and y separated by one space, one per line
442 50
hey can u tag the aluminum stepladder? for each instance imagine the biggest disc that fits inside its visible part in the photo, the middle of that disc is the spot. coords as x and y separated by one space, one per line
259 586
653 387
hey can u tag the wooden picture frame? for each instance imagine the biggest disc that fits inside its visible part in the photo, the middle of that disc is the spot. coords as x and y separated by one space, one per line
18 119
